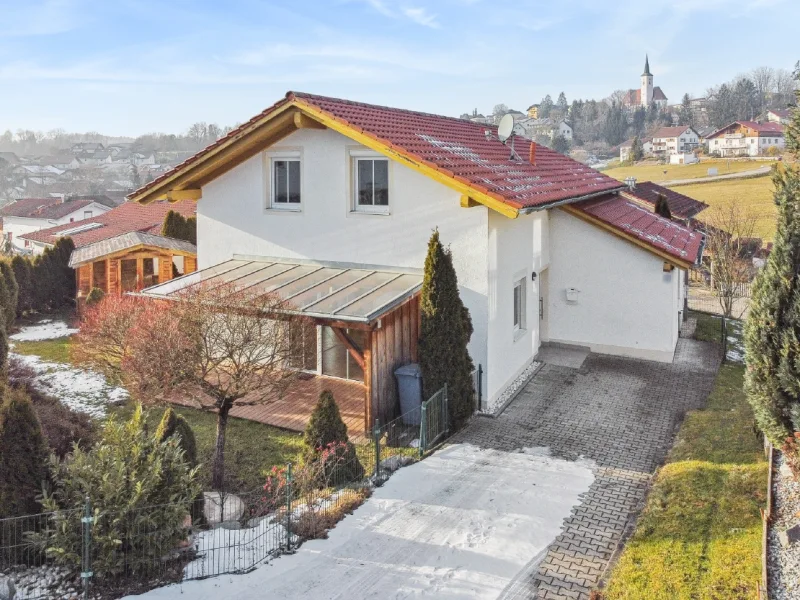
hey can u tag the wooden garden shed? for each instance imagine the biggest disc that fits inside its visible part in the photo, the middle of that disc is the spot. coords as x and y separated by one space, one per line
363 321
131 261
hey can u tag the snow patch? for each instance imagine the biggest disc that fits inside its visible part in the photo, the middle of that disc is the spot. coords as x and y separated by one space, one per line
81 390
43 330
461 524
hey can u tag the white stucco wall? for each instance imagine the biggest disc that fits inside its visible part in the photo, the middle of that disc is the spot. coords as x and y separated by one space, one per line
517 248
626 304
232 218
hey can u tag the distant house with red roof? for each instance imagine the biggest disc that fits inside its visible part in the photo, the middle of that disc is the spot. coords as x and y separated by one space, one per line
777 115
122 250
28 215
330 203
746 138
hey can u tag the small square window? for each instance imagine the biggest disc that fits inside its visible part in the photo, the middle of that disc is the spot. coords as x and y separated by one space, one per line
371 184
285 183
87 214
519 305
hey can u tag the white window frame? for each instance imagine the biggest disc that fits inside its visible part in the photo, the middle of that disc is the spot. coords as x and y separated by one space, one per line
283 156
355 207
519 320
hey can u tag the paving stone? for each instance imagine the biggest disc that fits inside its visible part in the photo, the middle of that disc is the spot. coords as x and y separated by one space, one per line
623 414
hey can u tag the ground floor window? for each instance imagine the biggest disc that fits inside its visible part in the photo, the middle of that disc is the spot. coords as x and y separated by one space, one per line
519 305
336 359
149 272
127 271
99 277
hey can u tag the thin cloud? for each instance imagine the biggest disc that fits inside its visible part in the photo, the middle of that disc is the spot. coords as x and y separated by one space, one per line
421 16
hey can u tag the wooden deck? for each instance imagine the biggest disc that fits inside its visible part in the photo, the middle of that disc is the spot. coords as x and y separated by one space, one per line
293 410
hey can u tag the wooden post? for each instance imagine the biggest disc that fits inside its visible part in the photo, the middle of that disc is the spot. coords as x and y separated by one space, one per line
90 267
164 268
368 409
189 264
114 274
139 273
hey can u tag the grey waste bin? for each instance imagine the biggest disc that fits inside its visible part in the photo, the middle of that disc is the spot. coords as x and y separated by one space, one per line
409 388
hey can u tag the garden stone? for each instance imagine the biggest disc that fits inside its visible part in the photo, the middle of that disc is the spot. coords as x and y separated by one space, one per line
393 463
785 471
218 508
7 588
789 536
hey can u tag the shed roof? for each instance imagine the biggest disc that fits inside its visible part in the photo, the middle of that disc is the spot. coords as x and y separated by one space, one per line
127 241
674 242
333 291
680 206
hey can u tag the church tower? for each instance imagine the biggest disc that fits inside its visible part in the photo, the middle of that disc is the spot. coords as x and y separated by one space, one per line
647 84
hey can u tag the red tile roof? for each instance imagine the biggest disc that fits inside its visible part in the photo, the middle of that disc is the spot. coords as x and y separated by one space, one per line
680 206
653 230
127 217
457 148
27 207
634 97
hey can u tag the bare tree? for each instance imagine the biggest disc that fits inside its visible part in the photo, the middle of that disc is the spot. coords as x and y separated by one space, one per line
219 347
728 230
763 78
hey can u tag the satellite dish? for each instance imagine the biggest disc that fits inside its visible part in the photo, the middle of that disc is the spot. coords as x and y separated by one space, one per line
505 128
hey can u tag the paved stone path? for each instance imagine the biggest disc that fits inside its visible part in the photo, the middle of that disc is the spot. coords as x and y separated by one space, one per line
623 414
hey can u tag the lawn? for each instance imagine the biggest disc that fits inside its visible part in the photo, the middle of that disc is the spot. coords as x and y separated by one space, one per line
655 172
57 350
755 194
699 536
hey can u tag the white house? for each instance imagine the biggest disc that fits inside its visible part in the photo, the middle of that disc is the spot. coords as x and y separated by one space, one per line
545 248
747 138
532 128
33 214
674 140
626 148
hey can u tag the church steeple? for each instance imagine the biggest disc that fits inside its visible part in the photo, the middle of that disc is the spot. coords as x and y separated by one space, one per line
646 66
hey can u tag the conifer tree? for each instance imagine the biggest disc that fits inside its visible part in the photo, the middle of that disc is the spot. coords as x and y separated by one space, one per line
327 444
12 288
637 149
23 455
174 424
22 274
772 332
325 425
445 330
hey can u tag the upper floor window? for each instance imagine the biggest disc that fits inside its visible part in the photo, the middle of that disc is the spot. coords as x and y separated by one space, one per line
371 184
285 176
87 214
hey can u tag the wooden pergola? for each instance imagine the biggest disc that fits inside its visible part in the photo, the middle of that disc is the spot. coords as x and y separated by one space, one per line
372 312
130 262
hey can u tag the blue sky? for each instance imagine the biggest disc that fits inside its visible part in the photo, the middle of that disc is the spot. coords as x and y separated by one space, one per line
125 67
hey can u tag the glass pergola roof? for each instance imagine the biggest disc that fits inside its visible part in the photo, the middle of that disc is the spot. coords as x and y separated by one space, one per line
331 291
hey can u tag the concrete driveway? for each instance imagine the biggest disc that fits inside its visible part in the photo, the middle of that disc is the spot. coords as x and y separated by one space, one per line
622 414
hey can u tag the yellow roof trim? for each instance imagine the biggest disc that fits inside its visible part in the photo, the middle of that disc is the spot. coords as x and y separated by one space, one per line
682 264
406 159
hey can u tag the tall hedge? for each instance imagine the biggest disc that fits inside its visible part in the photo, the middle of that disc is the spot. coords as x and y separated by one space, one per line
772 332
11 297
178 227
23 455
445 330
23 274
53 280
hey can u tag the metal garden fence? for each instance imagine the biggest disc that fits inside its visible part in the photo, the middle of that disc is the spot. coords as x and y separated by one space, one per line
65 554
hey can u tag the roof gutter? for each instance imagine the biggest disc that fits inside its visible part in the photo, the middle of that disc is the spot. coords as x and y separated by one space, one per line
532 209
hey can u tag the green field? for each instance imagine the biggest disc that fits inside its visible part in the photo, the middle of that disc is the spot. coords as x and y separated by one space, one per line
699 537
656 172
754 194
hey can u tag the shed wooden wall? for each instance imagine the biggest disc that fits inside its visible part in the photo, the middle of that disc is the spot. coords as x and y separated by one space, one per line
391 346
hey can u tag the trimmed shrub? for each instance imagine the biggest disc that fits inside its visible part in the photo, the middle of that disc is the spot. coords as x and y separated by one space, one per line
12 293
3 349
5 302
23 455
53 280
178 227
445 330
23 272
330 455
94 296
141 491
174 424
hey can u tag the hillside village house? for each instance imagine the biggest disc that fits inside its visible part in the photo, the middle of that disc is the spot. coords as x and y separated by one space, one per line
533 128
331 203
674 140
746 138
777 115
123 250
28 215
626 148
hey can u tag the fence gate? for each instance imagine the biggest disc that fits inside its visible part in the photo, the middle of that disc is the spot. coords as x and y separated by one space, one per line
435 422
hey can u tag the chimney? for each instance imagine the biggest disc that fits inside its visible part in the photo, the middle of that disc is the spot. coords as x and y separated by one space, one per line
631 181
532 154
